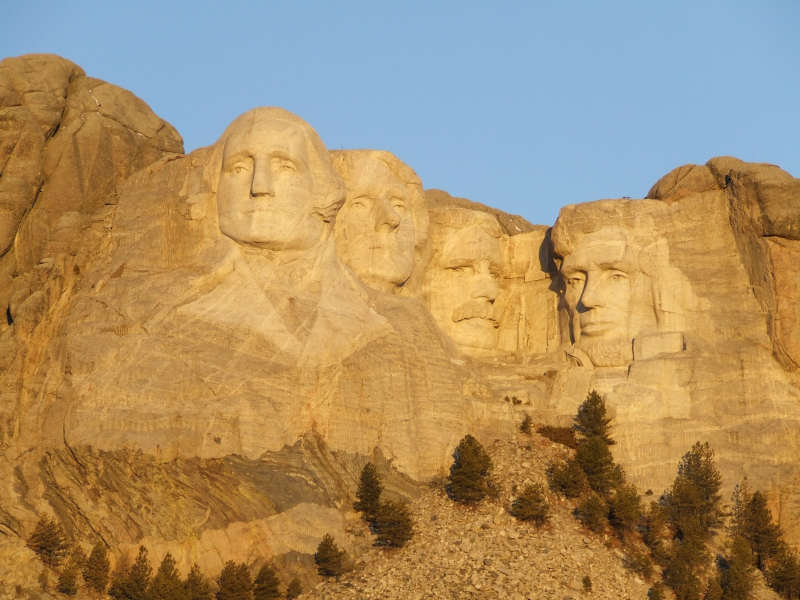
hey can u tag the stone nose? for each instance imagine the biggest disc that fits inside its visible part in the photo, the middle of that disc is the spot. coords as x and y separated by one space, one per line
263 184
591 296
386 217
484 285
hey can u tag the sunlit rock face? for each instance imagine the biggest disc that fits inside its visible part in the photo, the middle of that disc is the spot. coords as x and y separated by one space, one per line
384 221
200 352
664 322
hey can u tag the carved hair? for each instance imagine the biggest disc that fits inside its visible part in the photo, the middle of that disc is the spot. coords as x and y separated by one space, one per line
329 185
346 160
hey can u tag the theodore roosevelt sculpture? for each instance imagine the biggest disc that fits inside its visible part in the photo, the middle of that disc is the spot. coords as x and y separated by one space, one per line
460 282
383 221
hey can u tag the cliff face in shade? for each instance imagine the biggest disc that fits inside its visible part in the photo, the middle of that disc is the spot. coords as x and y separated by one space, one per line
200 352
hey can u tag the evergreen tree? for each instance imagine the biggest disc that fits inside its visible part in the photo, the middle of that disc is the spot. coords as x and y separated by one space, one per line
470 471
527 425
762 535
625 508
234 582
593 513
68 580
739 500
657 592
591 420
294 590
692 507
369 492
654 524
680 573
78 556
567 478
266 584
393 524
594 457
48 541
783 575
693 502
532 505
714 590
137 584
737 575
329 559
119 578
196 586
95 571
167 584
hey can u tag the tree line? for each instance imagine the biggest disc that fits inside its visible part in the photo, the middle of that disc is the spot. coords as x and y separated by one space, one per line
135 580
676 529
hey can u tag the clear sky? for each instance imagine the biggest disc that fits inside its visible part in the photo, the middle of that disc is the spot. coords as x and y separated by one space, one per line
526 106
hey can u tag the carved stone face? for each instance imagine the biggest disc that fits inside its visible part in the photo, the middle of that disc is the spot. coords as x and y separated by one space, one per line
463 291
598 291
375 229
266 188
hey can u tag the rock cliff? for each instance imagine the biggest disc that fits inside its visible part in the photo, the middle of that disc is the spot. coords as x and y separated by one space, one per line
200 351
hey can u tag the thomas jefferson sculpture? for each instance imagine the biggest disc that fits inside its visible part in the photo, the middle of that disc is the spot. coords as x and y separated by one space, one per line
384 220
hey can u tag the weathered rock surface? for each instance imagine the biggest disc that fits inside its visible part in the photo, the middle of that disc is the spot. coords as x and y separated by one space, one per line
201 351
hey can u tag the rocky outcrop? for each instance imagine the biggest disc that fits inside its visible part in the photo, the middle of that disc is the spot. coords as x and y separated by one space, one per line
200 352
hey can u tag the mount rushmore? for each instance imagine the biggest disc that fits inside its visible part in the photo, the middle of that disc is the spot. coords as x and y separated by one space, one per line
201 351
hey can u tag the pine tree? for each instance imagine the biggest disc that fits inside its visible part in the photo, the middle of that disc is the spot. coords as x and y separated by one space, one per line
393 524
531 505
329 559
526 426
783 575
470 471
95 571
593 513
762 535
48 541
369 492
594 457
234 582
714 590
167 584
591 420
654 525
266 584
625 508
693 502
657 592
739 500
737 576
119 578
567 478
680 573
294 590
68 580
78 555
137 584
196 586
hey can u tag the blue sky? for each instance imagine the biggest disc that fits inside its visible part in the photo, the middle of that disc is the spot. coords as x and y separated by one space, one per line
526 106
